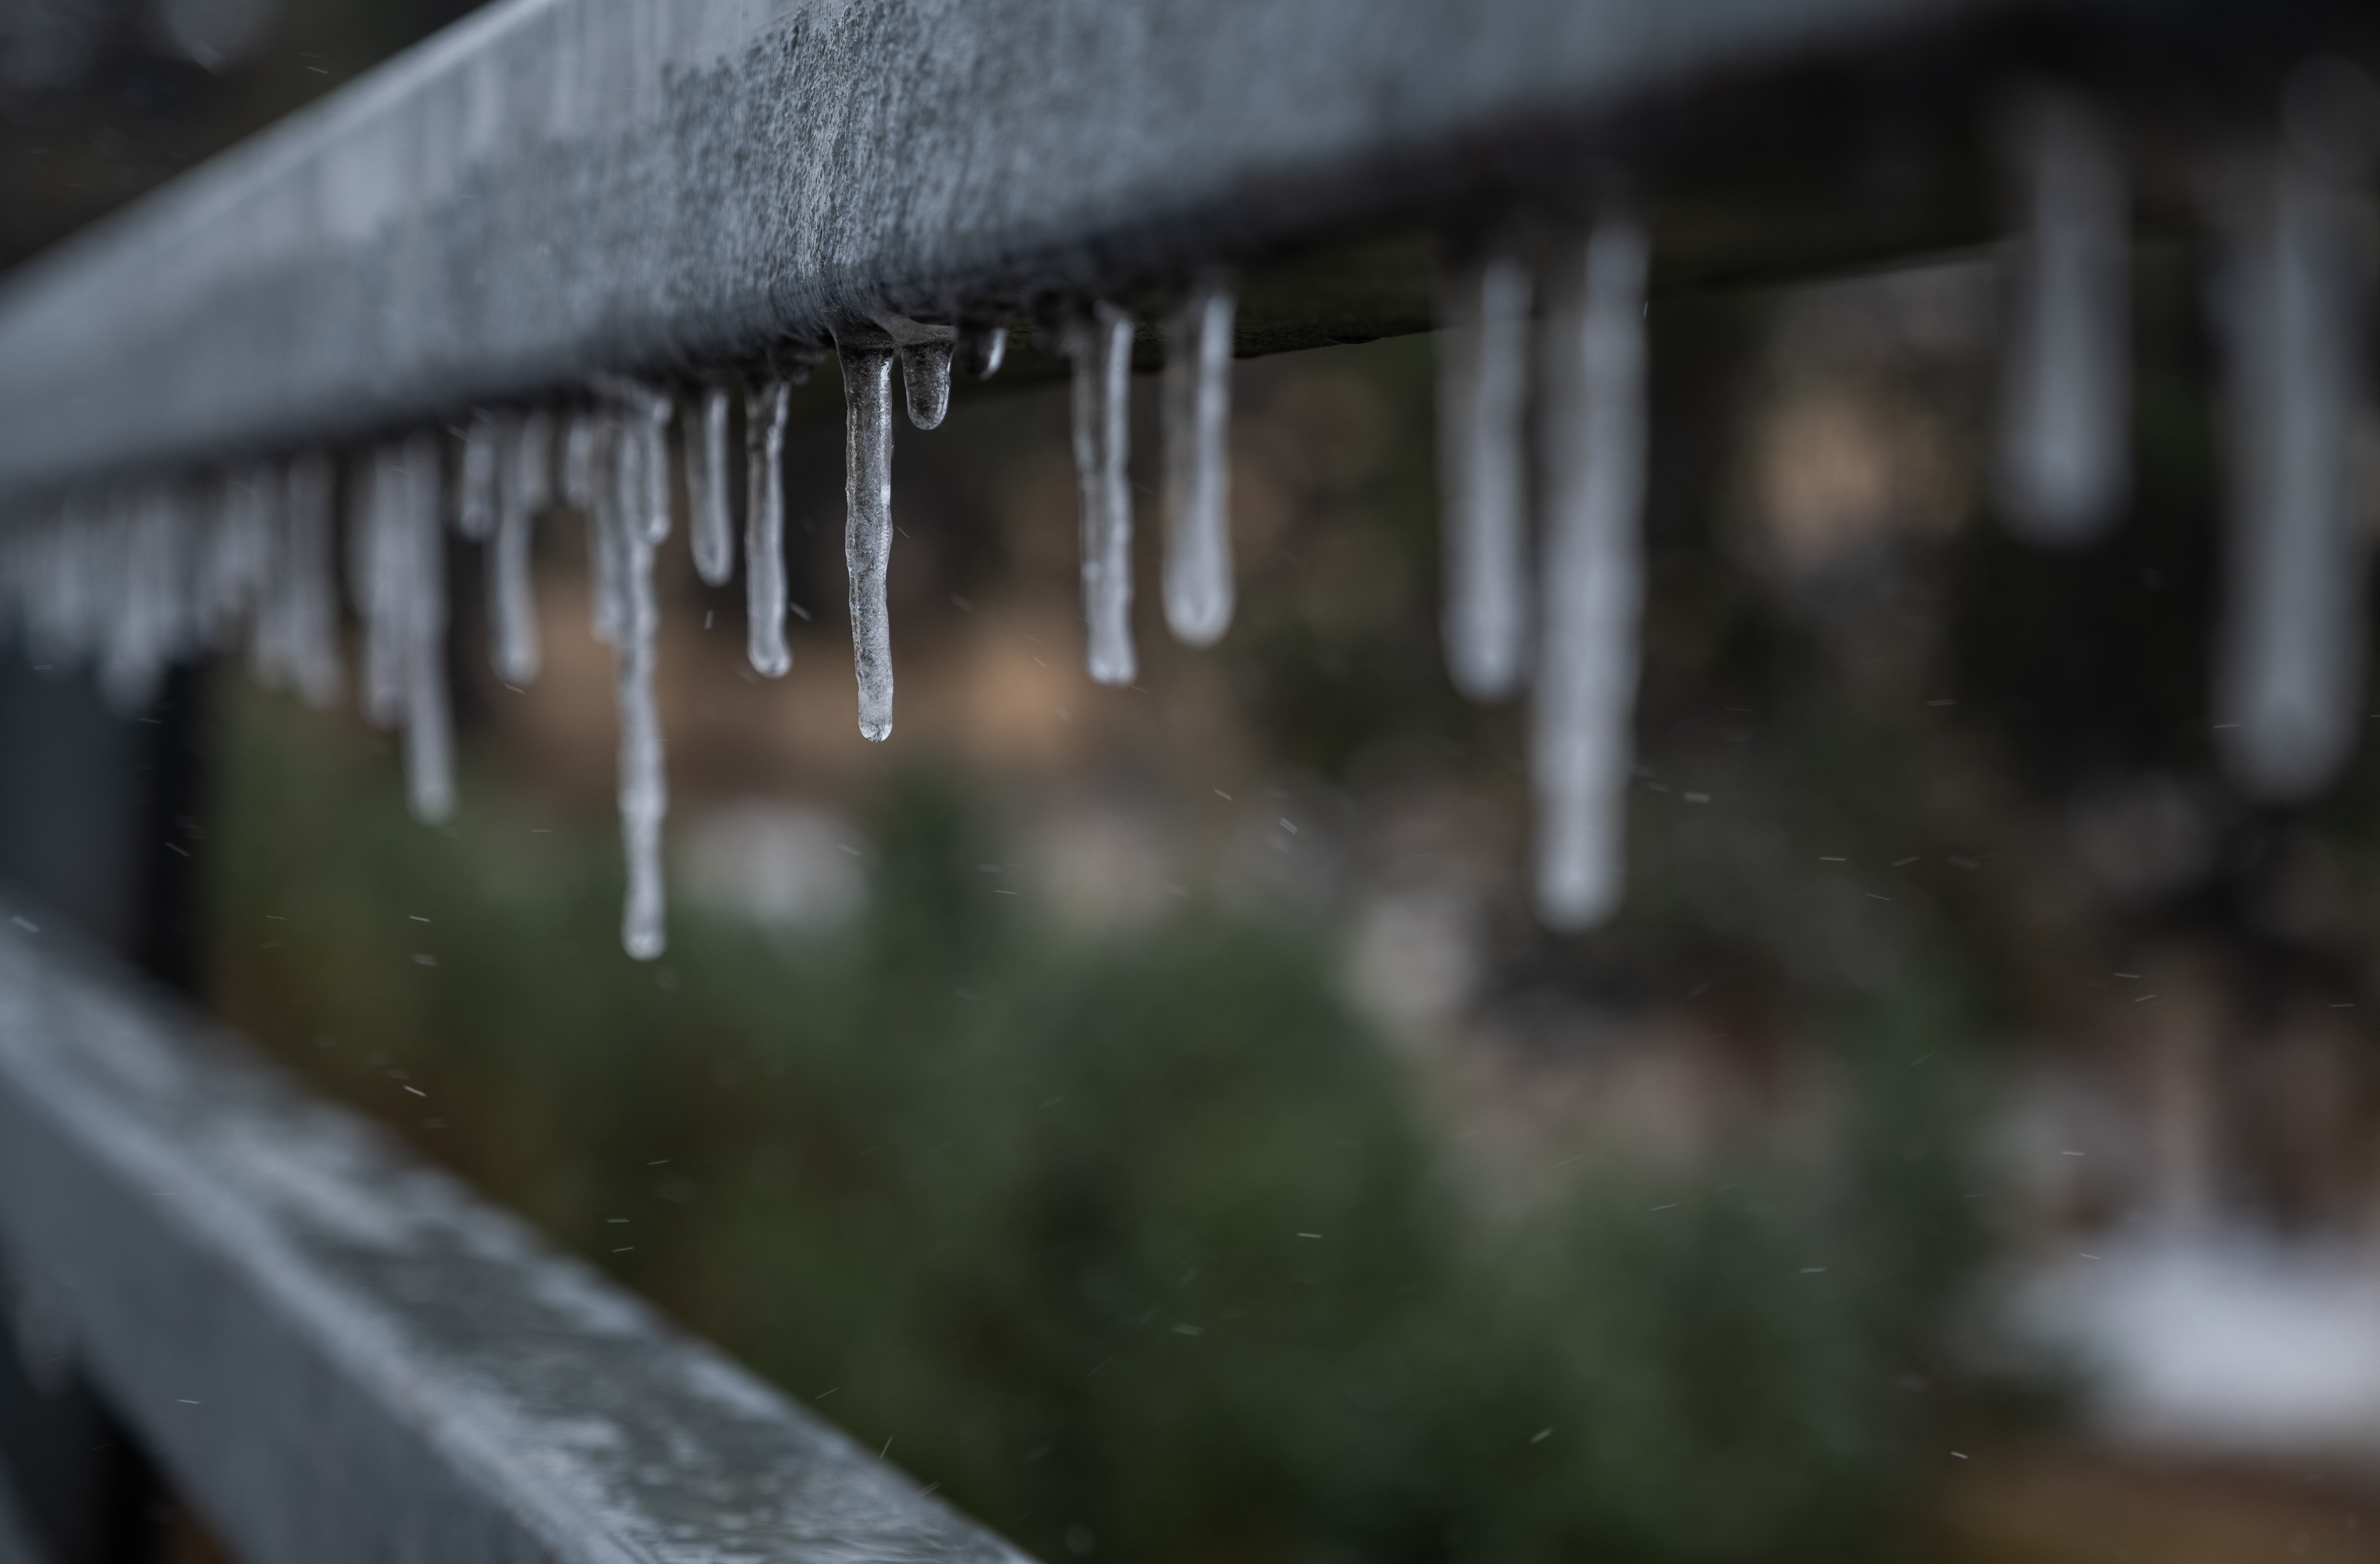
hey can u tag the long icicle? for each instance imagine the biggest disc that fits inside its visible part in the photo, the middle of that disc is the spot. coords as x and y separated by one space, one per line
706 469
617 473
1483 389
526 489
868 525
1594 441
764 529
2291 312
2064 468
1101 347
636 520
429 730
1197 411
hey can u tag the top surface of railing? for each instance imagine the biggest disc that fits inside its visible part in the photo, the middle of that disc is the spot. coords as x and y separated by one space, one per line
341 1354
552 187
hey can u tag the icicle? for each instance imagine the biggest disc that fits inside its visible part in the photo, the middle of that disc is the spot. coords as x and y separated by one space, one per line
617 476
310 630
705 473
375 570
578 460
633 534
268 619
926 378
2064 465
1482 391
420 543
150 614
867 526
526 489
981 346
475 501
1593 438
764 529
1198 399
232 549
2292 310
1101 347
645 425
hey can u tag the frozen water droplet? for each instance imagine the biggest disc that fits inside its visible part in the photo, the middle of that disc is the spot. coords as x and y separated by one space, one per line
2292 299
981 347
1483 381
926 378
1593 438
867 529
706 469
475 499
578 460
764 529
2064 465
526 489
1197 407
1101 348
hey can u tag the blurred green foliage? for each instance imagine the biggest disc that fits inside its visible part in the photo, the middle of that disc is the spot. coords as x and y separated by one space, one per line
1034 1210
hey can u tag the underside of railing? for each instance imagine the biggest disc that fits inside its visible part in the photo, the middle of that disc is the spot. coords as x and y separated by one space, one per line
346 1355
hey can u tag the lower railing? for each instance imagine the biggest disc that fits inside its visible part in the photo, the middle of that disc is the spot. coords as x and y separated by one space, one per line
338 1353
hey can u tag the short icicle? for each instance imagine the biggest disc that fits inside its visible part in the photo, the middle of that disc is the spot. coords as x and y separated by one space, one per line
868 525
429 731
376 567
475 499
764 529
1593 438
579 459
1482 391
629 517
1197 411
2292 301
1101 347
309 581
982 345
925 379
527 488
2064 468
706 472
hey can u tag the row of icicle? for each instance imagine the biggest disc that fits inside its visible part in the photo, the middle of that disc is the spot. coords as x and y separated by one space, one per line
136 578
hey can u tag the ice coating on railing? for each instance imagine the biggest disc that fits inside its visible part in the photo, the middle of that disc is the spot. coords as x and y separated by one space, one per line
2292 306
764 528
1482 390
867 526
2064 468
1593 440
526 489
1100 345
705 475
627 518
1198 413
475 488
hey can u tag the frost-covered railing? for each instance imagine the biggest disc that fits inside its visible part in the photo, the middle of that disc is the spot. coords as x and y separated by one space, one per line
341 1354
565 227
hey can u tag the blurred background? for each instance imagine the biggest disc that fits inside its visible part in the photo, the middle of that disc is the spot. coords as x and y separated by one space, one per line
1153 1115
